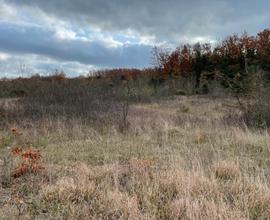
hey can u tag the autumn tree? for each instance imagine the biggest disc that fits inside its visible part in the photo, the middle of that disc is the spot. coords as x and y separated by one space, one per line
201 61
231 60
263 49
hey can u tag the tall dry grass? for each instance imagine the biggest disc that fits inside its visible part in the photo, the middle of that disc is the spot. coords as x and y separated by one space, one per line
180 158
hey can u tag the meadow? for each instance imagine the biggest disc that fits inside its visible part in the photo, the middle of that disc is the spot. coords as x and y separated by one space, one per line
94 148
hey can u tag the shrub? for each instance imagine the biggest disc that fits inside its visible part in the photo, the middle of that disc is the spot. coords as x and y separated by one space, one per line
258 113
180 92
256 107
29 161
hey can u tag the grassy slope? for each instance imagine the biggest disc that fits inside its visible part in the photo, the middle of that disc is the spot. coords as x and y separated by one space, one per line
181 157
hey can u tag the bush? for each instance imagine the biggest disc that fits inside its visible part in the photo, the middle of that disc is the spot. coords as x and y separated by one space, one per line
258 113
180 92
256 106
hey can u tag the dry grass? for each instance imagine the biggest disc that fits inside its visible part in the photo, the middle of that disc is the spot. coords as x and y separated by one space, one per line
179 159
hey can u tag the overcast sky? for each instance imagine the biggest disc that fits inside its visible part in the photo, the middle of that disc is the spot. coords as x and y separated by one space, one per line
81 35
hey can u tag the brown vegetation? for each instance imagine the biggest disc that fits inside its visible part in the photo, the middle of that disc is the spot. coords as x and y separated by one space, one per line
140 144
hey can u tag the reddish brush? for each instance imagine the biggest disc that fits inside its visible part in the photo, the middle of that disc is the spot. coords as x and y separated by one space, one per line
16 151
15 131
30 161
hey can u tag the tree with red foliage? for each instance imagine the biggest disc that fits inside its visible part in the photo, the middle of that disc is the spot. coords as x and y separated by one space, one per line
263 49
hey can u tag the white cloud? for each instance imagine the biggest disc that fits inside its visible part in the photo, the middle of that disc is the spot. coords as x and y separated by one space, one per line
8 13
4 56
104 38
64 34
27 65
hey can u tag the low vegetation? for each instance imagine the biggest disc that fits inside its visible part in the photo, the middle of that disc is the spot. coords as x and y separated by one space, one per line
139 144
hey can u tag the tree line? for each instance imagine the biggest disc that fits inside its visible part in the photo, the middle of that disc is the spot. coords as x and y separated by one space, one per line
231 61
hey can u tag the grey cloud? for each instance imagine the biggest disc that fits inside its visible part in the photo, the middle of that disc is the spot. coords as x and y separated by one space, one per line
41 41
167 20
28 31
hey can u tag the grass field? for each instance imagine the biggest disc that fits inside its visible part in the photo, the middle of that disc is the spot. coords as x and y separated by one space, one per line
175 157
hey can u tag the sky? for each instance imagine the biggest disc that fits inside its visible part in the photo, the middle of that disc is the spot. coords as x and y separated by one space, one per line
78 36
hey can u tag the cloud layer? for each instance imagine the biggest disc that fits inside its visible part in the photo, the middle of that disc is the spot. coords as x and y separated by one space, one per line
119 33
66 46
165 20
